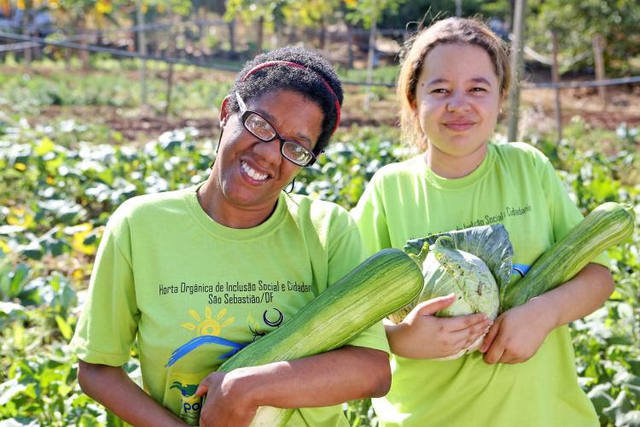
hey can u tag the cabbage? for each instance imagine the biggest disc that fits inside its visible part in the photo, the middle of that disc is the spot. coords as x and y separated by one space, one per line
473 263
447 269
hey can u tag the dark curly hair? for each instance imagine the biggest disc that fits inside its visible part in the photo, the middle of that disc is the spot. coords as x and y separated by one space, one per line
308 81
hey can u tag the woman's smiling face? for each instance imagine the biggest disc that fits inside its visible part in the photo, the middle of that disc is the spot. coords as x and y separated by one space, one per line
250 174
457 99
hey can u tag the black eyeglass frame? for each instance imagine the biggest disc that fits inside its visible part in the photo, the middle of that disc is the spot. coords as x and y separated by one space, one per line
244 115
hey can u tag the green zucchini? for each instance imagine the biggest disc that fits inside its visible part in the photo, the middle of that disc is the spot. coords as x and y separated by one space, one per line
607 225
380 285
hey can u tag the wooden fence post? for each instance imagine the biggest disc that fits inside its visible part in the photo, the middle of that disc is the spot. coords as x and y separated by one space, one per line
142 49
372 47
555 79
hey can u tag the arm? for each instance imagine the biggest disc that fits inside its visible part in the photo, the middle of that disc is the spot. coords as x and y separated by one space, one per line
324 379
517 333
112 387
421 335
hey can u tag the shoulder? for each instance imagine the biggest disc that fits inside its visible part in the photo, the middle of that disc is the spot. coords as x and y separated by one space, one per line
407 167
522 154
406 170
520 150
149 206
319 213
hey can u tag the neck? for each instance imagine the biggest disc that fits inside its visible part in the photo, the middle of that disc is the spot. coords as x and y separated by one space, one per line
212 202
452 166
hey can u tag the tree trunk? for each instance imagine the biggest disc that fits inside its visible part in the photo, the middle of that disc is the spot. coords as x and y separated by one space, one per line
323 34
598 47
84 53
350 46
516 68
26 32
171 54
555 78
260 38
232 36
458 7
370 60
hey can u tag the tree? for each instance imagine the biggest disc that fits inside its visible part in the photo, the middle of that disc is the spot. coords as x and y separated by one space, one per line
577 22
263 12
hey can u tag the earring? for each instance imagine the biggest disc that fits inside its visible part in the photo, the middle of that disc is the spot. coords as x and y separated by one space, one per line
291 186
217 147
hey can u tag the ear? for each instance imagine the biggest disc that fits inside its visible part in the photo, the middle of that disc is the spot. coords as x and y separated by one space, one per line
501 101
224 111
413 104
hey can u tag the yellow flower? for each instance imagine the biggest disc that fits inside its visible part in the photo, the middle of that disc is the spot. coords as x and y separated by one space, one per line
77 241
78 274
20 167
104 7
20 216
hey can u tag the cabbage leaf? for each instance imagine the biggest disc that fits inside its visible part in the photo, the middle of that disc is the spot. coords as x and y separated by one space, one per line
474 263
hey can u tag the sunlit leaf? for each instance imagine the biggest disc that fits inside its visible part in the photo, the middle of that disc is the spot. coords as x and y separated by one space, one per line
9 389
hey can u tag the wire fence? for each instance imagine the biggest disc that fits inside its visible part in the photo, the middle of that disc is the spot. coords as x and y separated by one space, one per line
22 42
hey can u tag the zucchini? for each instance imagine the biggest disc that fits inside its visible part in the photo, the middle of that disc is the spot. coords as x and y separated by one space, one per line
607 225
380 285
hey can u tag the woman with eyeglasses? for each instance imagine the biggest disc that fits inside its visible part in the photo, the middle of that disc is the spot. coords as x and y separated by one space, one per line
194 275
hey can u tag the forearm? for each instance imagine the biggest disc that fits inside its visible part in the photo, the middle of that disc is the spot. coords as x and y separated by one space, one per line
321 380
113 388
422 335
399 341
580 296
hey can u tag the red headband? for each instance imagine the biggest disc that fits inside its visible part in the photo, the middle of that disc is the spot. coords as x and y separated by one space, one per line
296 65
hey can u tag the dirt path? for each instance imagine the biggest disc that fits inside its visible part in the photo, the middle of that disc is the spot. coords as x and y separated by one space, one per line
137 125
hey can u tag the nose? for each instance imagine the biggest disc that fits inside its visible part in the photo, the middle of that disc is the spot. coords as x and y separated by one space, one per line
457 102
269 151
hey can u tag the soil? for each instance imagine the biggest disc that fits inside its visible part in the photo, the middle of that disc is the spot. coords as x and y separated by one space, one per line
622 106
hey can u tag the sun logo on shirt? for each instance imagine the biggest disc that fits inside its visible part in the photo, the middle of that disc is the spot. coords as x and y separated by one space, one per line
208 325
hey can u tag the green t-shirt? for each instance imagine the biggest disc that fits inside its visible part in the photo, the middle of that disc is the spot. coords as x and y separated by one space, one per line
194 292
514 185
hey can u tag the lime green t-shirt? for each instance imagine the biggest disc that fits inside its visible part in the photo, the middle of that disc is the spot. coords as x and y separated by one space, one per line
514 185
194 292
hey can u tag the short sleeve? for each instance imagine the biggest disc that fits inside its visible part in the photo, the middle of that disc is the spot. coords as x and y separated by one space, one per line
371 220
345 253
107 326
563 212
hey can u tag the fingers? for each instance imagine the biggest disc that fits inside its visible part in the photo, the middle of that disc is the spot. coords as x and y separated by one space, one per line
452 342
202 389
464 338
428 307
493 347
211 381
460 323
490 337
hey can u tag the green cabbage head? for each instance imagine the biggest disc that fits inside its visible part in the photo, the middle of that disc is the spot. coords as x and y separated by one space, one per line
449 270
454 262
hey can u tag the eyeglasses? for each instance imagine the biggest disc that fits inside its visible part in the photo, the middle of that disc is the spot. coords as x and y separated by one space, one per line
259 127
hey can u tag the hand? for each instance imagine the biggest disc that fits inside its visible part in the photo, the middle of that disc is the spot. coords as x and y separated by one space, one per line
227 402
421 335
518 333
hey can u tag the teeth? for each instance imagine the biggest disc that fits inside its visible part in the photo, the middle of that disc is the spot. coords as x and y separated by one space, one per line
252 172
